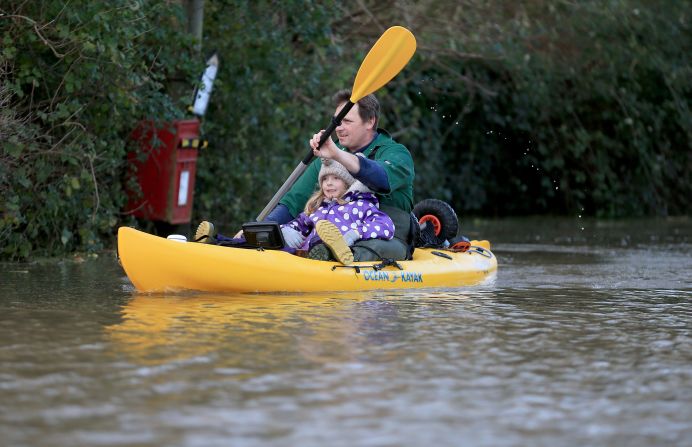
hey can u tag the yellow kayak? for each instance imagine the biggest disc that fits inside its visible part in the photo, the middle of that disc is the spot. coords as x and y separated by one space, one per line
156 264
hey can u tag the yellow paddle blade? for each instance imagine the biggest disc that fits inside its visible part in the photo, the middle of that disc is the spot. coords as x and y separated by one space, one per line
386 58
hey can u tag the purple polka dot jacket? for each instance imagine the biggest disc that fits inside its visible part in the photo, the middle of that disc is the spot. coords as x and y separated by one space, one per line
361 212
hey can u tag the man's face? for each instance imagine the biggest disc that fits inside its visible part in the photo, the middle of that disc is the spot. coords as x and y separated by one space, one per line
354 133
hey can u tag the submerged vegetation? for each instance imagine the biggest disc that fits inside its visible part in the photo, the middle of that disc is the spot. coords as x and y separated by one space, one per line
545 107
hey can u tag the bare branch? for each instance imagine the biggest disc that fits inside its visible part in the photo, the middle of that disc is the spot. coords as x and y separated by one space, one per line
96 186
35 25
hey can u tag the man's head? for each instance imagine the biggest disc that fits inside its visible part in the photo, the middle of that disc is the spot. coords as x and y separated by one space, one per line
359 125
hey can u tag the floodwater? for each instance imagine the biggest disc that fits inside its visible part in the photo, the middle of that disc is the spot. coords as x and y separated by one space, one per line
583 338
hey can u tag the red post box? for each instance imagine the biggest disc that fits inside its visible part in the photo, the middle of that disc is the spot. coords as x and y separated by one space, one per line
164 167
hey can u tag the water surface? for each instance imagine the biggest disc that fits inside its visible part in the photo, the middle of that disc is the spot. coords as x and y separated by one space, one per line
583 338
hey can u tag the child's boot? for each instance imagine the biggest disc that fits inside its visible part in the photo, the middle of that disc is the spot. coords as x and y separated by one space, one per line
332 238
205 233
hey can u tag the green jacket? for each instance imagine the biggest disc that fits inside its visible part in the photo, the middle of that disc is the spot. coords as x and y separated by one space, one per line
394 158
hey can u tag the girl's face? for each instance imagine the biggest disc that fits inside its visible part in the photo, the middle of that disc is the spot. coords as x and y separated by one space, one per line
333 187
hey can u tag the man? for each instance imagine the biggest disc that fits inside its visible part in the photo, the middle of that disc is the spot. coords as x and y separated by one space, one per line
385 166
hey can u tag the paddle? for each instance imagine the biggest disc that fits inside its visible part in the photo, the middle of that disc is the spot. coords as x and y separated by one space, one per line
386 59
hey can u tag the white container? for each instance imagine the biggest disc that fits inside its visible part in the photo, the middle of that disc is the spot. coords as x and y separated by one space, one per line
177 238
203 92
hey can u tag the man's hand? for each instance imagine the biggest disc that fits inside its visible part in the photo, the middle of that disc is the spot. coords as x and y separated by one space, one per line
331 151
328 150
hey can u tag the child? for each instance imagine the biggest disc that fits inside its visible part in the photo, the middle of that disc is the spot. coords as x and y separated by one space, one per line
340 213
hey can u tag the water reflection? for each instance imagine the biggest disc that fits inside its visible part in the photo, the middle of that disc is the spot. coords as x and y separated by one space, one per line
265 329
585 344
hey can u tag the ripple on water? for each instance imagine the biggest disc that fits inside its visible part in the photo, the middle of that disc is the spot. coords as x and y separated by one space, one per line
570 345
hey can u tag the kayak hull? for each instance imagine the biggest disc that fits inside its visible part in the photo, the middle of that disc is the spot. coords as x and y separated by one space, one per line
156 264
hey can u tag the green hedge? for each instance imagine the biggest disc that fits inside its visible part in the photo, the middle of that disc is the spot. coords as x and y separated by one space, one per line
540 107
558 107
276 67
75 80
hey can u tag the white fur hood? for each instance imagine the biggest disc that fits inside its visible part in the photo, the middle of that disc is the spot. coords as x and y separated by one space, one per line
358 186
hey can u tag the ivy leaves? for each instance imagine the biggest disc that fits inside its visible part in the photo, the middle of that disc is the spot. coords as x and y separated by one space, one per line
74 81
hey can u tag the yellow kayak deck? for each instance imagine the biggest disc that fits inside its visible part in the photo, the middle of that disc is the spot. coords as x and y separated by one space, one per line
156 264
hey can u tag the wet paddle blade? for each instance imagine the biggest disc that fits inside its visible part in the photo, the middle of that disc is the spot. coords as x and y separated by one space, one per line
386 59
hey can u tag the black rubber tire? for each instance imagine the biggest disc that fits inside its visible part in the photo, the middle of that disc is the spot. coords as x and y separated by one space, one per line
443 212
415 233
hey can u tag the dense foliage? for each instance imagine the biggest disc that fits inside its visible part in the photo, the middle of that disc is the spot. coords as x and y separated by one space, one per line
276 67
75 80
552 107
539 107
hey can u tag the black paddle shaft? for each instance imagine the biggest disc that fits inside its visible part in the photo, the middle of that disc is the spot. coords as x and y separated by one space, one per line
303 165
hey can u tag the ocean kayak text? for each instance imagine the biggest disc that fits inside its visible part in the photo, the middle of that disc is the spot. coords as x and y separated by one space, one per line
392 276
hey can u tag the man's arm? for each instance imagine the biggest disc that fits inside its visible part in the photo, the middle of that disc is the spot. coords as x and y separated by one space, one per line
373 175
279 214
386 174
